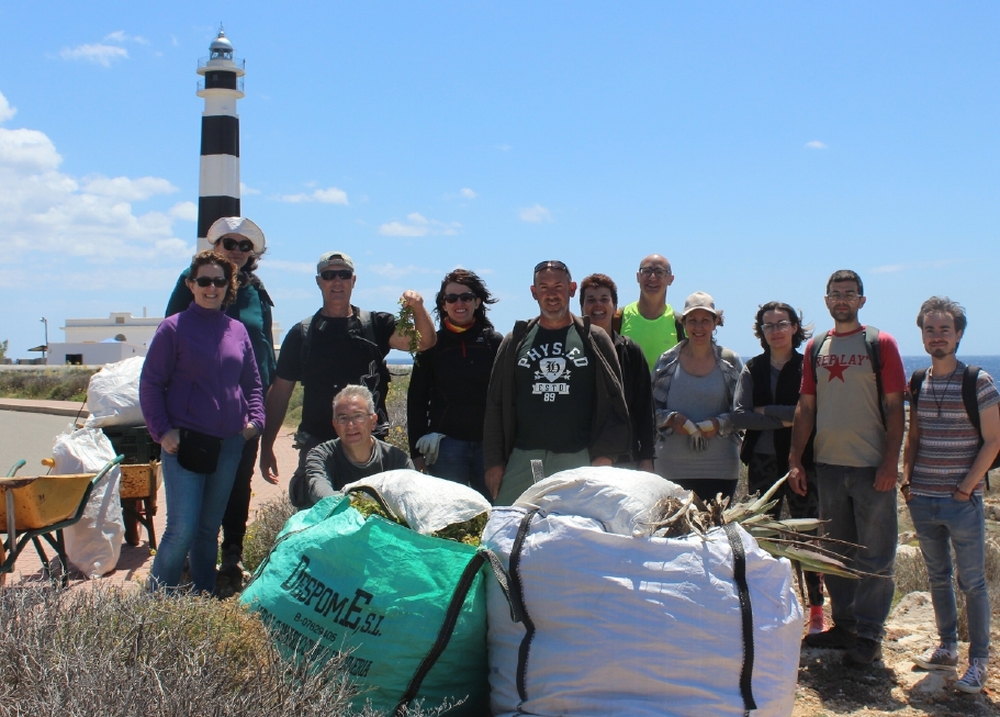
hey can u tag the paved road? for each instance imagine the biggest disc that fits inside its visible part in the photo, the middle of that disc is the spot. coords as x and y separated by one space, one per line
28 436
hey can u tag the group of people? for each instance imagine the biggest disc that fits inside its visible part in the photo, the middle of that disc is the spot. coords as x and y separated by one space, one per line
640 386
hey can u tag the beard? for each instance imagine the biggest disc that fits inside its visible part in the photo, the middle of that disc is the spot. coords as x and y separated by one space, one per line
942 352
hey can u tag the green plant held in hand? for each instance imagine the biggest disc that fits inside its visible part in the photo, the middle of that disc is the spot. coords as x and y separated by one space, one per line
405 326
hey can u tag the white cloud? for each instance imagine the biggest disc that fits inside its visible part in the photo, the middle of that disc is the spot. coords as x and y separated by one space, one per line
245 190
504 147
418 225
120 36
132 190
49 219
391 271
324 196
186 211
295 267
96 53
468 193
6 111
537 213
815 144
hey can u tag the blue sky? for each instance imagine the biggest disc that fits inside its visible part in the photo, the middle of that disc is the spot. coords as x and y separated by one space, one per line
759 146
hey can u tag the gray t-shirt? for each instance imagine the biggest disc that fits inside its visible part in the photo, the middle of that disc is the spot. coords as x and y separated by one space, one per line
699 398
328 469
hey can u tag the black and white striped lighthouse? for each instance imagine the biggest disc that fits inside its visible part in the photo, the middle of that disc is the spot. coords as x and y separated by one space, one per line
219 184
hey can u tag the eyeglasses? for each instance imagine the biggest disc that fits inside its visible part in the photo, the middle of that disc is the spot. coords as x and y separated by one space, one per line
355 418
206 281
780 326
466 297
653 271
846 296
331 274
553 264
244 245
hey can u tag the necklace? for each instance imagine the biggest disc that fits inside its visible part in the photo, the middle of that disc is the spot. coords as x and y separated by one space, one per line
934 394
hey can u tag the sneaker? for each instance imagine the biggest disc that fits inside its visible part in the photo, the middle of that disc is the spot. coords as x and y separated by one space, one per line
938 658
974 678
865 652
817 620
836 638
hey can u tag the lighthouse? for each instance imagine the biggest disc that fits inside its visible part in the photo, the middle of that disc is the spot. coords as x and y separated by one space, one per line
219 182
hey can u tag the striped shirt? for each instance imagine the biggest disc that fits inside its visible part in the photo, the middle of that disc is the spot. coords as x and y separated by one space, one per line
949 443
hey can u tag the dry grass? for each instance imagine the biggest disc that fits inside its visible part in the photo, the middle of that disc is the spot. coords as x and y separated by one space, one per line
268 520
122 651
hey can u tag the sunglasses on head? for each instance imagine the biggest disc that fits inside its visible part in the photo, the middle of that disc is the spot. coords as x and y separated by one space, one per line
466 297
331 274
206 281
543 265
244 245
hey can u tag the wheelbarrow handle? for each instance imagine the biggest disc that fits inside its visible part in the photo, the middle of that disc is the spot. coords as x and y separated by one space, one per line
15 468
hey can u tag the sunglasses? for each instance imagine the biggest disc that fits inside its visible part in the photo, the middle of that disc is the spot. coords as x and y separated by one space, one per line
543 265
466 297
244 245
206 281
331 274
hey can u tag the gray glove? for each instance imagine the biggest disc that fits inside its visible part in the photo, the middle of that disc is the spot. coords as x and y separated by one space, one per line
428 446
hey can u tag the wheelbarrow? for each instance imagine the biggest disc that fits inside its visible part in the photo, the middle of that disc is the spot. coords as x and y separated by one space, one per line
37 508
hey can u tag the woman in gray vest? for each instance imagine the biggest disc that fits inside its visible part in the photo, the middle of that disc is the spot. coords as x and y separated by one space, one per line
697 445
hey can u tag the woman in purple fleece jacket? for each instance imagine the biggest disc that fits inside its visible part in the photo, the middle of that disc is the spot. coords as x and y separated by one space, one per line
200 375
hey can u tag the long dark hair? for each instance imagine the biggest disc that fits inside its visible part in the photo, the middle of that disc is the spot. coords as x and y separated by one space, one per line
476 286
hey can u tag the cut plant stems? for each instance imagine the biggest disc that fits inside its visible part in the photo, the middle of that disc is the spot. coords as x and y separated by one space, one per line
405 326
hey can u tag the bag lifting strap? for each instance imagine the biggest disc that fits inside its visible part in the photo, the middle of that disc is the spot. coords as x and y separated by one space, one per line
746 610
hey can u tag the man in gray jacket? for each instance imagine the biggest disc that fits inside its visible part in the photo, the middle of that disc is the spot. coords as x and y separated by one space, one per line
555 394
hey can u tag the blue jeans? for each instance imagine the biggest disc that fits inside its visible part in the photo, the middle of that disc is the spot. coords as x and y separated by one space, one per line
462 462
859 514
943 524
196 503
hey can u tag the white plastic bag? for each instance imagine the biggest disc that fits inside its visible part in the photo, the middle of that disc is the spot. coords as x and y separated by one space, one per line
113 394
426 503
94 543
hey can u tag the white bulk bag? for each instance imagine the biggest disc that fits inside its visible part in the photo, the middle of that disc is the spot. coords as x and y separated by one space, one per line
629 625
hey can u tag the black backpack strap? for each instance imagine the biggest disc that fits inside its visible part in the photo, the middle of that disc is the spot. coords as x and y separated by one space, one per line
305 326
971 400
816 346
746 612
875 357
365 317
916 383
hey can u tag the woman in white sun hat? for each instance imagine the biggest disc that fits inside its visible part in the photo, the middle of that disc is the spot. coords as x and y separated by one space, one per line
242 242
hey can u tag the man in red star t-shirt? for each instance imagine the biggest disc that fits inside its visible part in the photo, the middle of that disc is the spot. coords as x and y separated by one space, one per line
857 459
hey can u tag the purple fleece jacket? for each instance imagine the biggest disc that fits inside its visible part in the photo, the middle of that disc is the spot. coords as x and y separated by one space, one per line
200 373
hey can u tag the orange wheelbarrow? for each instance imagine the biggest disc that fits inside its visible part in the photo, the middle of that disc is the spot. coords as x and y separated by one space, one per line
36 508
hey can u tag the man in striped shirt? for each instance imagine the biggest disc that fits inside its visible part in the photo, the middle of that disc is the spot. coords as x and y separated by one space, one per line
944 465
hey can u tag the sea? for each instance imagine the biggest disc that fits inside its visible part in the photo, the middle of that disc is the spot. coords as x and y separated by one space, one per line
990 364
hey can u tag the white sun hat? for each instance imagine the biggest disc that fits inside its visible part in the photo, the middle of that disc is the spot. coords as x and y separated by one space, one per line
237 225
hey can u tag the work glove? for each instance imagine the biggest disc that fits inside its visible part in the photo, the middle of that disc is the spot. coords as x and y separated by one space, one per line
428 445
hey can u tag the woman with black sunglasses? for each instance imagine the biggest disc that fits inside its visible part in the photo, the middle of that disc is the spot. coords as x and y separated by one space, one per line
242 242
202 400
446 401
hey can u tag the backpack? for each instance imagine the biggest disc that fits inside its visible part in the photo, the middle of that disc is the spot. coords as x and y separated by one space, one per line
871 345
969 378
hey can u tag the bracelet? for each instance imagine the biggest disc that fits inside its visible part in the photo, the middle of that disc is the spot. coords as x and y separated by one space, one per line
962 492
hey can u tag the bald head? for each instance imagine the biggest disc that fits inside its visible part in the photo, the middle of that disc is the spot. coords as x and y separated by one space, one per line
654 276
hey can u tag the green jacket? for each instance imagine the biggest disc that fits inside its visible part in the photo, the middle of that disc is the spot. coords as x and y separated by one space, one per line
610 429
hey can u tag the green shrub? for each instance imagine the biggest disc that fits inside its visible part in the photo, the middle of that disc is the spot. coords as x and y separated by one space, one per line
268 520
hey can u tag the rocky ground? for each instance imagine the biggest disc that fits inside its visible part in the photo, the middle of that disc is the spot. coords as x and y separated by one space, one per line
896 687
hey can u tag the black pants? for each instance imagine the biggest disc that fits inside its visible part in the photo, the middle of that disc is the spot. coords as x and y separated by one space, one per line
762 472
234 522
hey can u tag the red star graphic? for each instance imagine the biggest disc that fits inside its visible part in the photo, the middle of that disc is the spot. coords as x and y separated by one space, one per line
836 370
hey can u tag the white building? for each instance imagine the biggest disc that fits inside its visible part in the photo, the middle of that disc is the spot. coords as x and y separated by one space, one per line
100 341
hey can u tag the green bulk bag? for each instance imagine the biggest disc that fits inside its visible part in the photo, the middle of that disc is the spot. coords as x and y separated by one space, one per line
410 607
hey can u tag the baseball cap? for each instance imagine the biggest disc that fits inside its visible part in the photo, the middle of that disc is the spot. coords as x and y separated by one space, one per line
699 300
334 258
237 225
